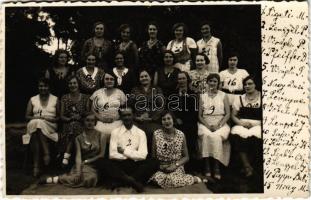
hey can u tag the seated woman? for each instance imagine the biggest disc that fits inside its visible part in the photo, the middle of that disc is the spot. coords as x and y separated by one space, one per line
125 76
147 112
183 47
166 77
59 72
42 113
213 130
89 76
186 112
105 104
99 46
170 148
73 106
247 115
198 76
90 146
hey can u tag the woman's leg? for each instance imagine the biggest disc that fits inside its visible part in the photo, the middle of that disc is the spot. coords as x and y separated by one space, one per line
217 173
68 150
35 149
45 148
246 164
207 167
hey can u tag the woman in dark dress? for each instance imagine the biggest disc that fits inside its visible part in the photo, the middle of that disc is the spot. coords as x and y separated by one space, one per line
151 51
127 47
59 72
166 77
98 46
125 76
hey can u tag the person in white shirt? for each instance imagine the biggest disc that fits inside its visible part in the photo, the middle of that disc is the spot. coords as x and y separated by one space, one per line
232 78
184 48
210 46
127 153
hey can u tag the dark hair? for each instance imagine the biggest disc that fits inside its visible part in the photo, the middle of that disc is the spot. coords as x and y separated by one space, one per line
250 77
205 22
98 23
144 70
207 61
69 78
110 72
44 80
124 107
122 27
90 54
152 23
165 112
170 52
180 24
233 54
213 75
89 113
188 77
57 54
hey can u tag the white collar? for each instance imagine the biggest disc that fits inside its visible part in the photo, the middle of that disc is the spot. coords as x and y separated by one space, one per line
123 129
125 70
87 73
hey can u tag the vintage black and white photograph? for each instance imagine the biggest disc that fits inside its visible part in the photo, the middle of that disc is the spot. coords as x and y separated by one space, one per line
136 99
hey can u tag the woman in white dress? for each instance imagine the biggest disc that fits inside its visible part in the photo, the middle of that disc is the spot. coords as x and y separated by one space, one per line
42 113
213 130
247 115
183 47
105 104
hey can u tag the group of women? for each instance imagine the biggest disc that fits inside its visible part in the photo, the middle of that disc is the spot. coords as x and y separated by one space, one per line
79 109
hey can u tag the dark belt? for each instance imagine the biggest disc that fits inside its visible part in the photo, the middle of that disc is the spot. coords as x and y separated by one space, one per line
233 92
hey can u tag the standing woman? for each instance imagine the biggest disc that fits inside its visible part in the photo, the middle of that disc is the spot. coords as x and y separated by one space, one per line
73 107
125 76
90 76
105 103
170 149
166 77
213 130
183 47
151 51
90 147
127 47
210 46
199 75
98 46
246 134
59 72
42 113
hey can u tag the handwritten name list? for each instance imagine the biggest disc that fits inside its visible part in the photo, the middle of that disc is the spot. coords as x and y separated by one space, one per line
285 98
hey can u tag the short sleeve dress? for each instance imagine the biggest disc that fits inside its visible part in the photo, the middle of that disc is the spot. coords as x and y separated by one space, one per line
169 151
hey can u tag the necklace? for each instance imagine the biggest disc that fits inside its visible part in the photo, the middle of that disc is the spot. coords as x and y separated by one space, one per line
151 43
252 97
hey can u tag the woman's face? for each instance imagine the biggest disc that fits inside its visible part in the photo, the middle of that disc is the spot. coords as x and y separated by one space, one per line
168 59
206 30
119 60
213 83
144 78
125 34
90 61
152 31
43 88
182 79
99 30
62 59
73 85
200 62
109 81
167 121
179 32
89 122
249 86
233 62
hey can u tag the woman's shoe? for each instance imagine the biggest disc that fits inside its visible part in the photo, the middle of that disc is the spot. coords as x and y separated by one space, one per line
248 171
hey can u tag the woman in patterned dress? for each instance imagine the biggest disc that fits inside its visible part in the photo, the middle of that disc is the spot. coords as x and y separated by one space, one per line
90 76
73 107
213 130
98 46
59 72
246 134
90 146
170 148
198 76
151 51
42 113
